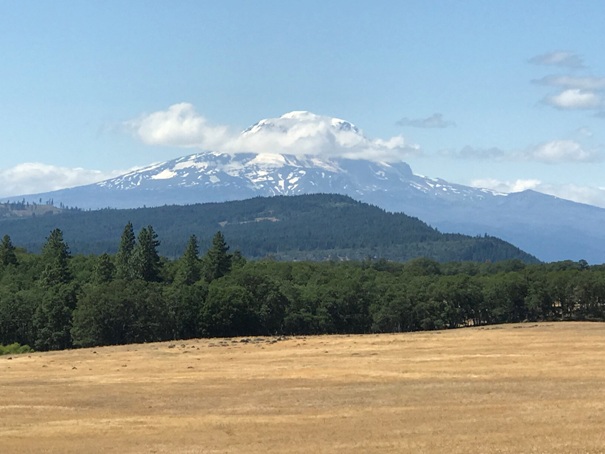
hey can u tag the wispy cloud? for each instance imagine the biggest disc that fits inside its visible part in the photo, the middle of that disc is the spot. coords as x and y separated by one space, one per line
556 151
574 92
35 177
580 83
294 133
434 121
561 59
492 153
582 194
551 152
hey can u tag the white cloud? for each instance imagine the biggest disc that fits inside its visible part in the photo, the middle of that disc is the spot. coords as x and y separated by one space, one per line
434 121
582 194
581 83
560 151
576 92
180 126
558 58
295 133
505 186
574 98
35 177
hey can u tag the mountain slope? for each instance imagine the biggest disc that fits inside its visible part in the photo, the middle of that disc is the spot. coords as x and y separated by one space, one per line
548 227
315 227
545 226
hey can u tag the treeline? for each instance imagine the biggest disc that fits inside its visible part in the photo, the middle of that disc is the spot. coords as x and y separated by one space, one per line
54 300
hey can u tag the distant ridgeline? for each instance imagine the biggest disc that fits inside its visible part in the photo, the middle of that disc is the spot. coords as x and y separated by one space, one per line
25 209
304 227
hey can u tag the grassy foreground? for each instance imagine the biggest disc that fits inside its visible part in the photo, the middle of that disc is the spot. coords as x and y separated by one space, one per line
536 388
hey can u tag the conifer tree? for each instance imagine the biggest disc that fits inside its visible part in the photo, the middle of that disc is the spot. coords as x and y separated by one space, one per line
217 261
55 257
189 272
146 263
124 255
53 315
7 252
104 269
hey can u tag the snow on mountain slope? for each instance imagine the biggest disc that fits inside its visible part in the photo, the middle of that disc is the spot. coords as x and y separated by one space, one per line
279 174
545 226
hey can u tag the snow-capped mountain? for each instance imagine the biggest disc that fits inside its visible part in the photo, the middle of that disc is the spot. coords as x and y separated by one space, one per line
547 227
279 174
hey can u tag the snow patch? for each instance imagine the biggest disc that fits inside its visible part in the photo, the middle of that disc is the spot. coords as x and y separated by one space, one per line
269 160
191 164
164 175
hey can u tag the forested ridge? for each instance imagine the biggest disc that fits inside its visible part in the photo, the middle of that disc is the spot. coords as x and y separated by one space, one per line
306 227
56 300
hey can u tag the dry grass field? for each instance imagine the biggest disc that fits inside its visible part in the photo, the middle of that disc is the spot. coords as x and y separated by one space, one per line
528 388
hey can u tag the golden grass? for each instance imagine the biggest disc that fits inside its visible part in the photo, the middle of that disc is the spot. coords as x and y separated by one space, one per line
535 388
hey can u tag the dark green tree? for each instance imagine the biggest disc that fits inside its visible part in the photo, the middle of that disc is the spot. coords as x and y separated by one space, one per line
146 263
7 252
124 255
16 314
227 310
55 259
189 271
184 305
217 261
121 312
53 318
268 301
104 270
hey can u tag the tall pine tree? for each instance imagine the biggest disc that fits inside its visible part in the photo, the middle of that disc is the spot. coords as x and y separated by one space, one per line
146 263
217 261
53 315
124 256
104 269
7 252
189 271
55 258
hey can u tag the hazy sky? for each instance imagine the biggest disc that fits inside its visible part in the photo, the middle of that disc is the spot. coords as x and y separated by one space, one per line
503 94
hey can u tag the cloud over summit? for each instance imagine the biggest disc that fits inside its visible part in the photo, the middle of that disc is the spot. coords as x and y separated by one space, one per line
297 133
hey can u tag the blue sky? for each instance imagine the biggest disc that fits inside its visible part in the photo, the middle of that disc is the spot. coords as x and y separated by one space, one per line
503 94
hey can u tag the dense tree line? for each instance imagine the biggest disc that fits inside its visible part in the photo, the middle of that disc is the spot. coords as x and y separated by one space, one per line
56 300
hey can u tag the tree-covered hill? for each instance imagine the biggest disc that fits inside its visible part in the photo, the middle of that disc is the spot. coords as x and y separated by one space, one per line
309 227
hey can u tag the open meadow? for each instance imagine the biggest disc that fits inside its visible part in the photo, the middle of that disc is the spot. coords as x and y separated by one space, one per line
537 388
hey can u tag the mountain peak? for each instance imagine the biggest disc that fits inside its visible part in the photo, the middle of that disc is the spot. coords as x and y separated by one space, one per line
302 123
300 115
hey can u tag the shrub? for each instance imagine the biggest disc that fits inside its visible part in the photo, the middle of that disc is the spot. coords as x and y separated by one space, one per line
14 349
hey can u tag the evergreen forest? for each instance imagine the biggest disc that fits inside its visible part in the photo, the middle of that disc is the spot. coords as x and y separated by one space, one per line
305 227
55 299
